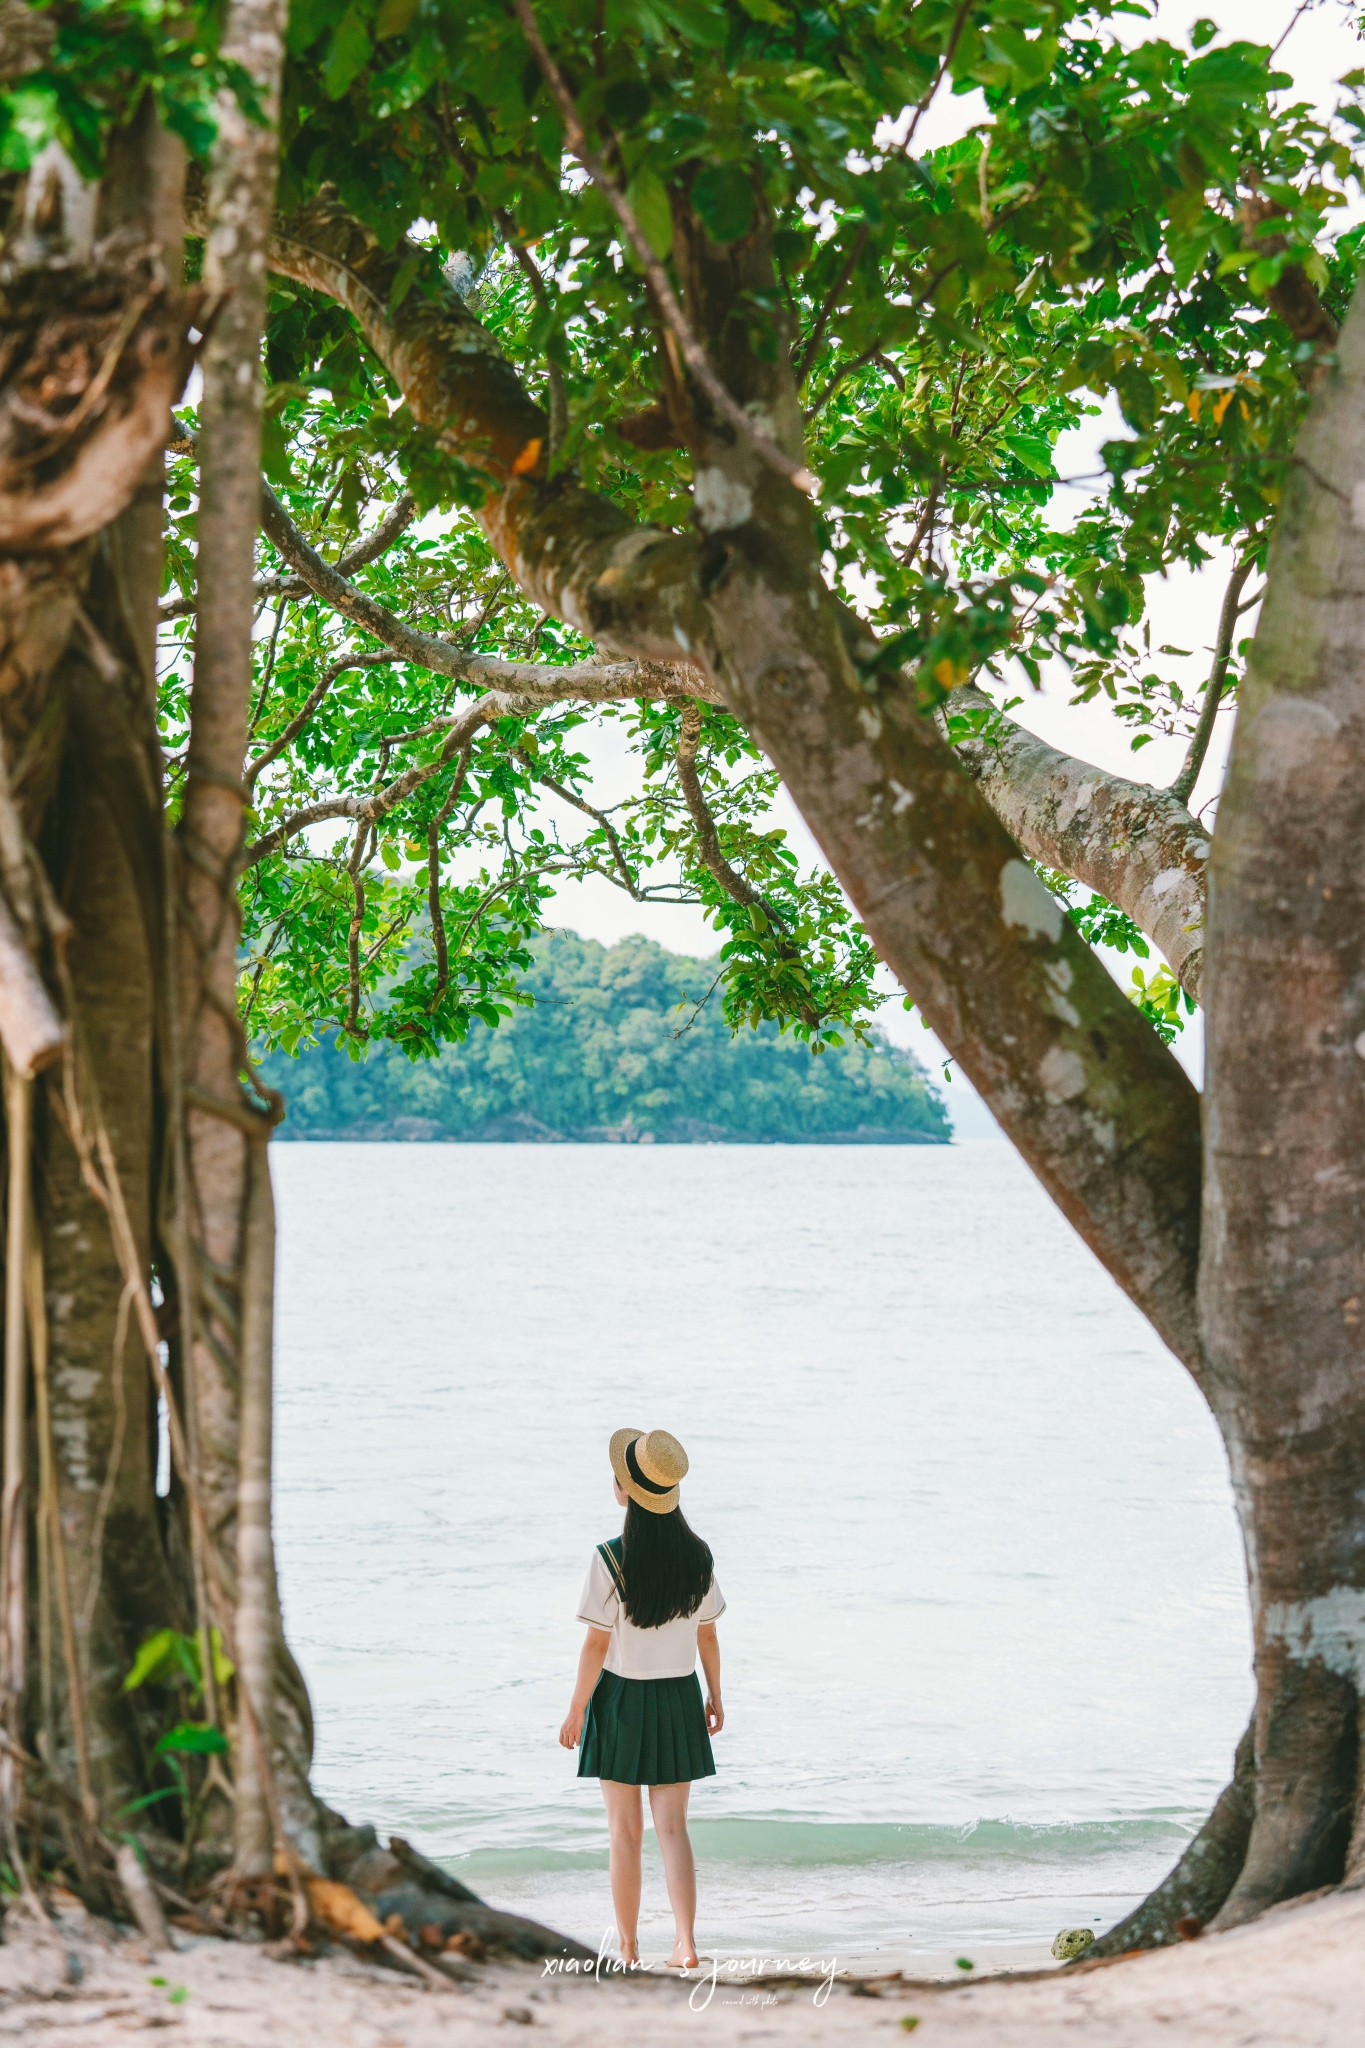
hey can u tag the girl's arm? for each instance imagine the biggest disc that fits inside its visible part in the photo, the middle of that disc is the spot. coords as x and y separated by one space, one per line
709 1647
591 1658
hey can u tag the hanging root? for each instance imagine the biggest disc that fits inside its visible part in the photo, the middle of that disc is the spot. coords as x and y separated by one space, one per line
142 1899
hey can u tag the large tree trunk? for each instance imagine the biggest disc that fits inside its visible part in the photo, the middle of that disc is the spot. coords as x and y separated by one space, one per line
84 883
1283 1275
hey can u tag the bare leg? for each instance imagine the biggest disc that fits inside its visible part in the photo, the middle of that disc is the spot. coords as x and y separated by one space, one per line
625 1826
668 1804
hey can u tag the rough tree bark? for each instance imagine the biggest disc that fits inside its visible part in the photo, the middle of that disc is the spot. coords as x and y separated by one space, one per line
1283 1274
1134 844
228 1198
93 1562
77 721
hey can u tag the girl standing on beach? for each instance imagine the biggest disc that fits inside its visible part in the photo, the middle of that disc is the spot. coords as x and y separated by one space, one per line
651 1603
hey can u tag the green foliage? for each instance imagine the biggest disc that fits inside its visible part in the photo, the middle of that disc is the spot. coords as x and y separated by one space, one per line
953 315
1162 1001
1099 922
169 1661
1156 992
618 1036
89 76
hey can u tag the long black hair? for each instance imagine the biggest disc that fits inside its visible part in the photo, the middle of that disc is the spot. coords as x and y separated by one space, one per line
667 1566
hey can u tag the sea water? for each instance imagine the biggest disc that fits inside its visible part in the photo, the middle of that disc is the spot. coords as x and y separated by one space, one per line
986 1650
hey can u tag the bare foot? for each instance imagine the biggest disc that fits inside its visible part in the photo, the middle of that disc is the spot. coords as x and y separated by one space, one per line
629 1952
684 1956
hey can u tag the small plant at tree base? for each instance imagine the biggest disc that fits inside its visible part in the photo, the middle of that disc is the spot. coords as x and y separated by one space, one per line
173 1661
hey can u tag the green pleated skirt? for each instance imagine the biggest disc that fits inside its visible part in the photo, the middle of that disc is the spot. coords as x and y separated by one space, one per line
646 1731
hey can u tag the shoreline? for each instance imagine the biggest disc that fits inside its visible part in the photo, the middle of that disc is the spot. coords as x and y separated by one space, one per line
1292 1976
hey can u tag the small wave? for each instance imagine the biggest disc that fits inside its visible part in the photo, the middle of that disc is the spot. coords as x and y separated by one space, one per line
776 1841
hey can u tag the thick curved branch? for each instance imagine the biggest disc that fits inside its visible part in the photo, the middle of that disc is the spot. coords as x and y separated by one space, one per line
1133 844
575 554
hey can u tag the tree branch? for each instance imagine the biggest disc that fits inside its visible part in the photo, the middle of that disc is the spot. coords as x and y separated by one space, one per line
1183 786
311 703
735 885
827 310
368 809
708 838
434 910
561 789
1133 844
367 547
1292 296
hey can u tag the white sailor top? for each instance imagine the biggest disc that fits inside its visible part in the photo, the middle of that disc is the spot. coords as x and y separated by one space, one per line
667 1652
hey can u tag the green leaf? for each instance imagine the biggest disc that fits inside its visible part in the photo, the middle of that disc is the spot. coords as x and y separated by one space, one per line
192 1738
723 199
148 1799
1033 452
347 54
1137 397
275 449
649 202
307 20
158 1659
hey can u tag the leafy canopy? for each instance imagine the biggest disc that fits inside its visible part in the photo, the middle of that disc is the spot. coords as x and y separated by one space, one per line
1121 225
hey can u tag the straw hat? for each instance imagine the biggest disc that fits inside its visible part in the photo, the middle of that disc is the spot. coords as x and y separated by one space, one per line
649 1467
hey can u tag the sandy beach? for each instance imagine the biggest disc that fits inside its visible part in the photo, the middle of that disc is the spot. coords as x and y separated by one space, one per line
1294 1977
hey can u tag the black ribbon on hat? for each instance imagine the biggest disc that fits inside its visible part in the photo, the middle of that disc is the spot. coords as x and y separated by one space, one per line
633 1467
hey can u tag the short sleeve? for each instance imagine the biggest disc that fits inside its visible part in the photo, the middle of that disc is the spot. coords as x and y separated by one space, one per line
713 1603
599 1604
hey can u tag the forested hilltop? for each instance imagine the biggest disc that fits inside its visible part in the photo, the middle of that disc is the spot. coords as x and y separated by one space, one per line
604 1057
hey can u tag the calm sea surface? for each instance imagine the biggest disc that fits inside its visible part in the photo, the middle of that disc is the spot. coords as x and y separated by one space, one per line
986 1654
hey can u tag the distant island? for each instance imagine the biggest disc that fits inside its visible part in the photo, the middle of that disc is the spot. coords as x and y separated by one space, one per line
603 1059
